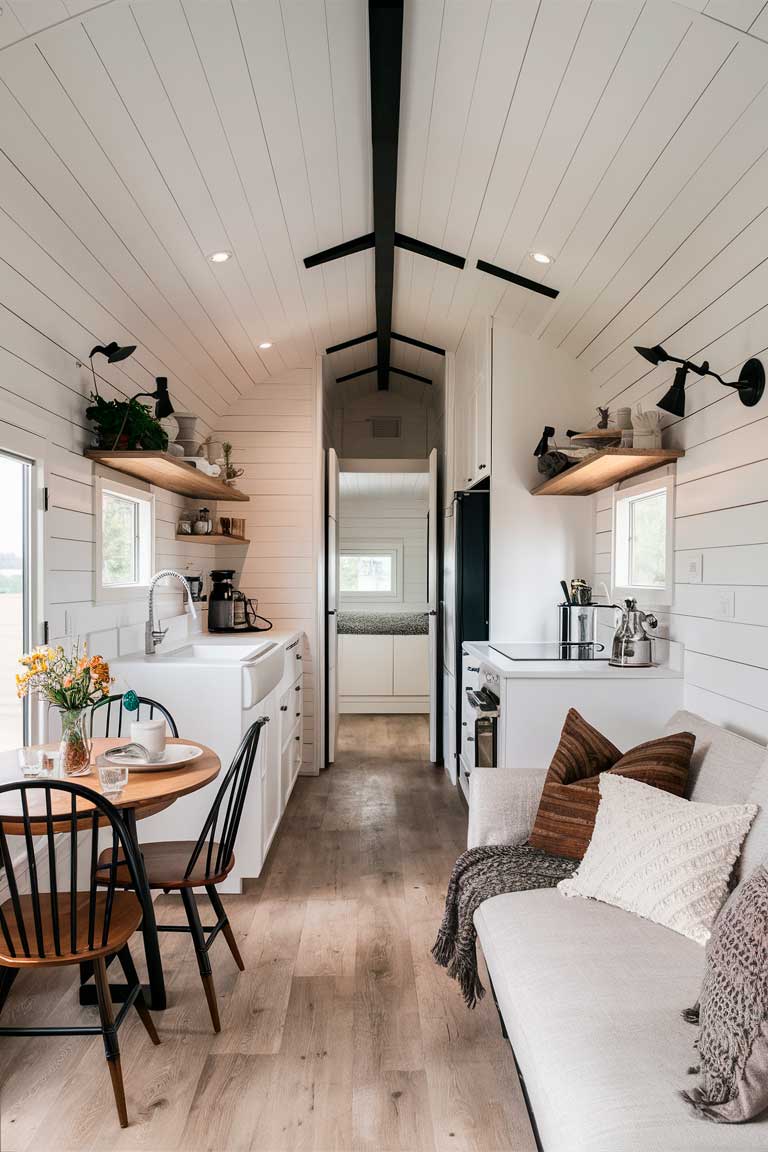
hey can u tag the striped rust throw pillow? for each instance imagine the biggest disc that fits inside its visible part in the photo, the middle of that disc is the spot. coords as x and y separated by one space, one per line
568 806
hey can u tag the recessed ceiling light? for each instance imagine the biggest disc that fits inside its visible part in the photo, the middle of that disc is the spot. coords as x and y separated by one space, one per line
541 257
265 344
219 257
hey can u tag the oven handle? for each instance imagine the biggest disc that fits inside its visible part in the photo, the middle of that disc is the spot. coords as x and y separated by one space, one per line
472 700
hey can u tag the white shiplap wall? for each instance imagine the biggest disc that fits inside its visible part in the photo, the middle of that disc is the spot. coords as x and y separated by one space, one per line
274 436
721 515
378 521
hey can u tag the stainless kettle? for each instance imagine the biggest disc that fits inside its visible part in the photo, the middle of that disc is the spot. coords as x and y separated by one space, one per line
632 646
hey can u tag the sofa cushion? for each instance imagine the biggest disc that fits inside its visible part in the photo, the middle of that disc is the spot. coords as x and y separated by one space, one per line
591 997
662 857
729 769
566 815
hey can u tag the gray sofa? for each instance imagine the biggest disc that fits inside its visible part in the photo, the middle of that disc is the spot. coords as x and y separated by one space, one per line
591 995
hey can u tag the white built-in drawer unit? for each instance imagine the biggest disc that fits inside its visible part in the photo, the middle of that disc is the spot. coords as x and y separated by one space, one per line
383 673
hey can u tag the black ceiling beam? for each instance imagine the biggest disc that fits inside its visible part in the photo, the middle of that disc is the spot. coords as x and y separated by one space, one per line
359 244
351 343
434 253
354 375
385 33
418 343
411 375
513 278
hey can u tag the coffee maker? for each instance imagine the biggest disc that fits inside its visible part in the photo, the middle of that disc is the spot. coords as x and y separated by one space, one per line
230 610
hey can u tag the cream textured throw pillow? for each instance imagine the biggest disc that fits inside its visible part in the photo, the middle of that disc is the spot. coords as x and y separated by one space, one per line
660 856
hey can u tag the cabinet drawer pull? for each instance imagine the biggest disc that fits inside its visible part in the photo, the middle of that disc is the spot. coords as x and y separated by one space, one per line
297 688
298 714
299 657
470 739
481 465
283 707
297 737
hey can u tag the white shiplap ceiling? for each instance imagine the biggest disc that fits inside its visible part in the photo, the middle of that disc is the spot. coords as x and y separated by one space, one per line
628 139
391 486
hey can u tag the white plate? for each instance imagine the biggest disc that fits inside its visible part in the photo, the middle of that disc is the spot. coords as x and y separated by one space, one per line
176 756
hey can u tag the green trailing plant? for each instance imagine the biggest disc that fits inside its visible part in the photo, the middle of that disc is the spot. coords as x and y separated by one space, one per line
230 472
125 424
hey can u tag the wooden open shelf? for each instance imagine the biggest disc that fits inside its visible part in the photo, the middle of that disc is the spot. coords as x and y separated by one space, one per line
605 468
211 538
169 472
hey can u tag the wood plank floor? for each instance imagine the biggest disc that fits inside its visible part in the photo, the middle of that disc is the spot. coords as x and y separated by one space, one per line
341 1034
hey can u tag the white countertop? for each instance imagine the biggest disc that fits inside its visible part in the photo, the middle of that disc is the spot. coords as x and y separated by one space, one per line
243 640
564 669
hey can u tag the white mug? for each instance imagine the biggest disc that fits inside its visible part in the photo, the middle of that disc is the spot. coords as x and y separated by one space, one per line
150 733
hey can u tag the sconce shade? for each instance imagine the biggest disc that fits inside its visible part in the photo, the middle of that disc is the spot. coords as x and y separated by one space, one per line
751 383
113 351
655 355
673 401
163 406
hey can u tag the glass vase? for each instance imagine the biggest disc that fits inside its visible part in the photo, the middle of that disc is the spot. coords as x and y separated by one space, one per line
75 747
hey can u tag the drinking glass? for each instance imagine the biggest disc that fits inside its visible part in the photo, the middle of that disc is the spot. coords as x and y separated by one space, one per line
113 778
29 762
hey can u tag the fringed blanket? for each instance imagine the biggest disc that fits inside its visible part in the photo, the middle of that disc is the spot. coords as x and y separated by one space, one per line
477 875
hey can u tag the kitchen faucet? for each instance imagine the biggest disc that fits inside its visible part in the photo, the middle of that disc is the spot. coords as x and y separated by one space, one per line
152 635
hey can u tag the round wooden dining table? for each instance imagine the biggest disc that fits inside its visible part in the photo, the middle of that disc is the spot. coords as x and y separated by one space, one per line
146 793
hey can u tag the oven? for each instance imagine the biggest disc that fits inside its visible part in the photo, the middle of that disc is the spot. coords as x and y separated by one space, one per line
483 709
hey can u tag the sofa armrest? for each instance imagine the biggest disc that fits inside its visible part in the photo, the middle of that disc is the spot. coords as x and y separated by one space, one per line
503 805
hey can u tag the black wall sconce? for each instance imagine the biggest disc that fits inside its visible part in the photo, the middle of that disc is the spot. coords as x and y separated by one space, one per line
113 354
750 385
163 405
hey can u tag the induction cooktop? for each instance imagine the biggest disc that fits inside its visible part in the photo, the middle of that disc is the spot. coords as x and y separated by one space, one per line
551 651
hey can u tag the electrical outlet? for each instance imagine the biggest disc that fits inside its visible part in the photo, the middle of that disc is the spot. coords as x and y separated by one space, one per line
725 604
694 569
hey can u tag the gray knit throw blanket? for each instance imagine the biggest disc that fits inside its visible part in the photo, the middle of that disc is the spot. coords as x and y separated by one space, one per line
477 875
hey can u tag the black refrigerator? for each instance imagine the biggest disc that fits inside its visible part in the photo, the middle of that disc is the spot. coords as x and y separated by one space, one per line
471 580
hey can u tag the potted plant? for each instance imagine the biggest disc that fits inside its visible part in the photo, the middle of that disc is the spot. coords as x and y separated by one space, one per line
125 424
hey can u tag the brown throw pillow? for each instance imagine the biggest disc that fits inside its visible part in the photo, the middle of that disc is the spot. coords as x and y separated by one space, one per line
568 806
733 1010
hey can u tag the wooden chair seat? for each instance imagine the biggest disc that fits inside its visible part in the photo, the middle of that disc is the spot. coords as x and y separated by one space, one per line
125 917
166 861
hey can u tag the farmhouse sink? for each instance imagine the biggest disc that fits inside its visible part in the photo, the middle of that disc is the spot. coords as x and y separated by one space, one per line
218 653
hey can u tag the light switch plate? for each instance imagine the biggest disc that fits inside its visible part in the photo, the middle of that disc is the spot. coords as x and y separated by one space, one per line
695 569
726 604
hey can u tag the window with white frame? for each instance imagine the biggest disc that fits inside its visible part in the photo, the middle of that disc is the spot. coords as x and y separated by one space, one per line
643 557
124 540
367 573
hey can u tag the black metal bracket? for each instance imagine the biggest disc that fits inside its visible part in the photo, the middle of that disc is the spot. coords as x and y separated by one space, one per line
513 278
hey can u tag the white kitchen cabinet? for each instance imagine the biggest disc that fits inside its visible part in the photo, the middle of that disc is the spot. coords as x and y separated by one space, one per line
410 665
365 665
268 768
473 433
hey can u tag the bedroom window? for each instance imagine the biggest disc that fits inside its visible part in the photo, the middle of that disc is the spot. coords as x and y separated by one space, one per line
643 519
370 573
124 536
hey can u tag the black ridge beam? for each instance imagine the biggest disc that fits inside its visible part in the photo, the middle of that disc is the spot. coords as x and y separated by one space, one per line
411 375
359 244
385 24
354 375
513 278
422 249
417 344
351 343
